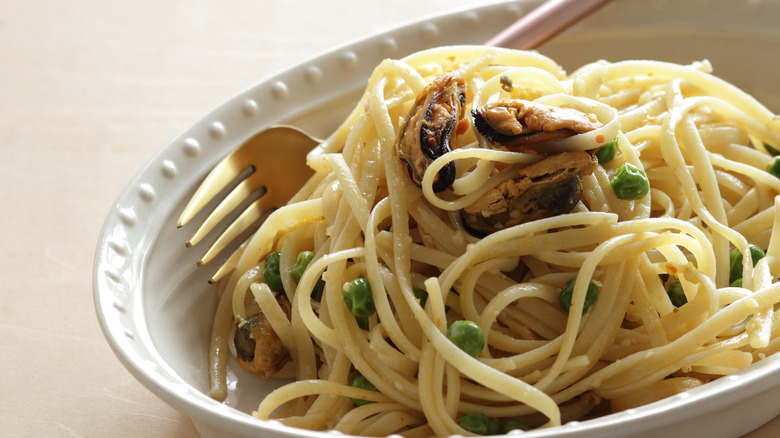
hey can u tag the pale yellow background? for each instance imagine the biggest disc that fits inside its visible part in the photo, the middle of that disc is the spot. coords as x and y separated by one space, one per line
89 91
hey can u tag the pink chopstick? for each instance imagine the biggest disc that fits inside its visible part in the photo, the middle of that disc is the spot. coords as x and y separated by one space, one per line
544 22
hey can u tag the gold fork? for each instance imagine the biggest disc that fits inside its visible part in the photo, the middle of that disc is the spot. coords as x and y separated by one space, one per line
274 182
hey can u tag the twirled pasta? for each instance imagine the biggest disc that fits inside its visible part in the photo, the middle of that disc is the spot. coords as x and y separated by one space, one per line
703 146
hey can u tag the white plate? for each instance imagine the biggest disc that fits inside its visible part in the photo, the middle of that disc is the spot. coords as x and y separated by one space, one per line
155 306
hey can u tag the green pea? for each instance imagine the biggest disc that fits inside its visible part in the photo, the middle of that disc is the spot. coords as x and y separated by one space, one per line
359 381
360 302
607 152
301 263
676 293
735 260
421 295
774 167
480 424
565 296
514 424
271 271
468 336
630 182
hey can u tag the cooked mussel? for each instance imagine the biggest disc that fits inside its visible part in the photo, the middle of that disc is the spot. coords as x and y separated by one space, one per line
520 124
544 189
259 349
430 128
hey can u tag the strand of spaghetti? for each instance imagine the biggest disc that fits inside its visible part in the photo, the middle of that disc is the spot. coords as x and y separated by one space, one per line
302 301
502 300
370 171
483 154
388 353
702 252
602 324
678 323
410 326
715 86
632 119
339 372
485 375
673 93
482 249
399 213
649 315
304 354
656 291
759 175
397 196
773 249
385 424
269 306
604 113
239 292
288 251
649 362
384 309
334 142
354 145
577 302
303 388
594 195
640 134
350 190
759 329
474 178
536 318
499 56
597 380
350 421
453 396
442 233
747 206
357 349
356 346
588 80
468 307
431 387
673 155
534 78
410 77
639 381
711 197
218 345
324 408
697 155
650 241
261 242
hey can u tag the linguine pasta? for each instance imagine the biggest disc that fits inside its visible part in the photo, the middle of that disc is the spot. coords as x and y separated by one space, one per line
704 147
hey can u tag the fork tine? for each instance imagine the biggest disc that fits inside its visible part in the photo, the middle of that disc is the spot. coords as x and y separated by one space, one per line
229 264
246 219
225 172
237 196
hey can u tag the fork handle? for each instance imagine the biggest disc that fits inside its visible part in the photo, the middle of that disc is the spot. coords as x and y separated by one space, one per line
543 23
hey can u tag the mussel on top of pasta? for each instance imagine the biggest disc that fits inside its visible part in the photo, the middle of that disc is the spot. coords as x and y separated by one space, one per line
490 244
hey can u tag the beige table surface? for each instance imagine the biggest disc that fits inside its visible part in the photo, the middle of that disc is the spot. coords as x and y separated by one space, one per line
89 91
